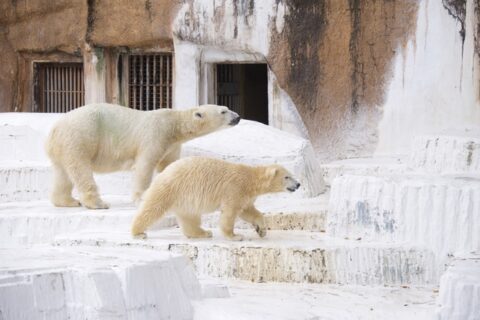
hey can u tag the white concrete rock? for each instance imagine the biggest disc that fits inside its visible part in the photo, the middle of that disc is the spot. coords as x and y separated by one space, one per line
285 256
376 166
439 213
459 297
95 283
34 222
455 154
275 301
254 143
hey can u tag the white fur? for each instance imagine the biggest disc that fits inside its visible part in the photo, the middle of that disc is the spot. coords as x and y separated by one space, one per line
106 138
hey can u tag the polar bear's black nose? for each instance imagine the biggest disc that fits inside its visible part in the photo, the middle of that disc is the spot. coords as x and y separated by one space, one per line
235 121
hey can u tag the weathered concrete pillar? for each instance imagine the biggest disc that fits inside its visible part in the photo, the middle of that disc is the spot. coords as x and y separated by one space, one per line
95 71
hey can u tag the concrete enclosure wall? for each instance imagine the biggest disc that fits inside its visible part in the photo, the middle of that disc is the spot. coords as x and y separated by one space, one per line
355 77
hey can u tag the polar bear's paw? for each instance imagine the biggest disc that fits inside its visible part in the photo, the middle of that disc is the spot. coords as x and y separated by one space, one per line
142 235
67 202
236 237
200 234
262 232
96 204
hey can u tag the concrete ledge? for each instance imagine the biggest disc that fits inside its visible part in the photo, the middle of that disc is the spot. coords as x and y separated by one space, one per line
376 166
439 213
285 256
459 297
35 222
447 154
95 283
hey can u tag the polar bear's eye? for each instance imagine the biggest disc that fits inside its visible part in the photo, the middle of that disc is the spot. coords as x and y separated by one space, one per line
224 111
198 114
286 178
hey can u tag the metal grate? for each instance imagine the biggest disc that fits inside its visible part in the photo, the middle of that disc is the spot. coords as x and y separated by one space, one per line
228 87
150 81
59 87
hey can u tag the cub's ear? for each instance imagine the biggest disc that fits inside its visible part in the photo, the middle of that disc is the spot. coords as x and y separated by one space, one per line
272 172
198 115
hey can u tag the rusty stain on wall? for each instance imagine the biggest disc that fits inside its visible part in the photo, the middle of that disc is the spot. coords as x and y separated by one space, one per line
336 63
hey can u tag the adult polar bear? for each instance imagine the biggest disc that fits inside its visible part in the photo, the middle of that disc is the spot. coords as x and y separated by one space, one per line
105 138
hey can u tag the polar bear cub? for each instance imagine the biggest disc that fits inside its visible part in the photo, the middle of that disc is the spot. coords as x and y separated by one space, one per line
193 186
106 138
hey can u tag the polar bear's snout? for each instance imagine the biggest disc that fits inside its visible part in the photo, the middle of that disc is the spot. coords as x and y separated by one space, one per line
291 184
235 120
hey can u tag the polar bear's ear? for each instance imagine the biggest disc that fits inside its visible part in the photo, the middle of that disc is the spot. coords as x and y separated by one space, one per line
272 172
198 115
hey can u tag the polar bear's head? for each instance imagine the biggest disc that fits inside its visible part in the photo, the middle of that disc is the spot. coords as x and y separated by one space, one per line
279 179
208 118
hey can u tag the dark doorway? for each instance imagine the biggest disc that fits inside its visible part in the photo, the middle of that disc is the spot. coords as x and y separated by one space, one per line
244 89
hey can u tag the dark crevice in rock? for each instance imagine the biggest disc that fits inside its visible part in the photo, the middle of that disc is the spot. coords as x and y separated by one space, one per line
354 6
90 20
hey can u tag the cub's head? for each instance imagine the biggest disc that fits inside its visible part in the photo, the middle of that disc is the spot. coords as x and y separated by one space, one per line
208 118
279 179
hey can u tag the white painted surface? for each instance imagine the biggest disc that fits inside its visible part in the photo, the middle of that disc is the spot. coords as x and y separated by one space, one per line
459 297
253 143
34 222
432 89
439 213
274 301
95 283
285 256
455 154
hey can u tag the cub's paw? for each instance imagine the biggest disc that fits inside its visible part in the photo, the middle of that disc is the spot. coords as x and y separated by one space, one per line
70 202
262 232
236 237
142 235
98 204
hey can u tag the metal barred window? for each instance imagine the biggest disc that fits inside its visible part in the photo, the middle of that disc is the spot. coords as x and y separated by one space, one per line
59 87
150 81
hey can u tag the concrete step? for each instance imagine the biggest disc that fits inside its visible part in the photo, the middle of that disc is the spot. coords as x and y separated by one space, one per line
459 297
438 213
36 222
453 153
285 213
27 180
95 283
284 256
278 301
375 166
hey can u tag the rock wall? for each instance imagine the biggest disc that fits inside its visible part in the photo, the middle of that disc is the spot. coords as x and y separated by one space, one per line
356 77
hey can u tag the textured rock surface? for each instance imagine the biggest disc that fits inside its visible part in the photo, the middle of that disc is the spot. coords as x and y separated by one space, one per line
274 301
376 166
286 256
460 290
436 212
95 283
447 154
285 213
33 222
257 144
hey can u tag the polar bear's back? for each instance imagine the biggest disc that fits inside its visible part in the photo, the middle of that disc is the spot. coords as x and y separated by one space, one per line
198 184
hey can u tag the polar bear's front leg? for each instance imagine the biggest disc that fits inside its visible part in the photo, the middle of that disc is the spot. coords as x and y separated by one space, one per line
255 217
144 168
191 228
172 156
